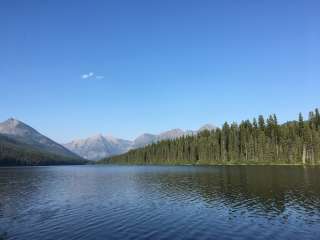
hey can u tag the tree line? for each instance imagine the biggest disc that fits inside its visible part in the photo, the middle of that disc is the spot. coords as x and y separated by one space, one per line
260 141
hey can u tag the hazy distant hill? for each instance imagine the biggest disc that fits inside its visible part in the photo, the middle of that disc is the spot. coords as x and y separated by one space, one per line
21 144
100 146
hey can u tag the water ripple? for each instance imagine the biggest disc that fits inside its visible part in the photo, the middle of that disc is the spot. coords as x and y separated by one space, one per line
114 202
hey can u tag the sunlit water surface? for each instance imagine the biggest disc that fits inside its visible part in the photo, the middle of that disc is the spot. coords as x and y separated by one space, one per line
159 202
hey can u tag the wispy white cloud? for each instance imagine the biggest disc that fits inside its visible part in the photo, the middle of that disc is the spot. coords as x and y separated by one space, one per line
91 75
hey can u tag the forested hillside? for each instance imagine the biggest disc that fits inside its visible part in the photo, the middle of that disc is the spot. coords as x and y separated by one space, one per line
13 153
261 141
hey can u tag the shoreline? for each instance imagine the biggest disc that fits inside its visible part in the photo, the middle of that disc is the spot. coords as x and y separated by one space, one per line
212 165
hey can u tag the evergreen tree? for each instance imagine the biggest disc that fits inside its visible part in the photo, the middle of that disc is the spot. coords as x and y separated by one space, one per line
317 119
257 142
261 123
301 124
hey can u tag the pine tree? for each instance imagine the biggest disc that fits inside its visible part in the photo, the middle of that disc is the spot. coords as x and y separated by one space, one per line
317 118
301 125
261 123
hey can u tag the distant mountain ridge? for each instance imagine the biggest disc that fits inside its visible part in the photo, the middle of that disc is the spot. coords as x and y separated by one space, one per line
96 147
100 146
23 133
20 144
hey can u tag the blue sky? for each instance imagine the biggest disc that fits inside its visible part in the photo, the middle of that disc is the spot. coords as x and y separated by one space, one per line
72 69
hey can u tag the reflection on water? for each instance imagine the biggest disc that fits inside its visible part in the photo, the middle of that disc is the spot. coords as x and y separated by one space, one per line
159 202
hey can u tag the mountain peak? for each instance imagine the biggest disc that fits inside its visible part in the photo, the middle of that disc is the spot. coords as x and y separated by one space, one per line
13 121
99 146
25 134
175 130
144 139
13 126
111 138
97 136
171 134
207 126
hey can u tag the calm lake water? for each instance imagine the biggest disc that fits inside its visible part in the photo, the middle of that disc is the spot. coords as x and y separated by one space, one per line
159 202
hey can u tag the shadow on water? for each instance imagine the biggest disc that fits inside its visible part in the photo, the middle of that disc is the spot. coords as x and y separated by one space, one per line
264 190
3 236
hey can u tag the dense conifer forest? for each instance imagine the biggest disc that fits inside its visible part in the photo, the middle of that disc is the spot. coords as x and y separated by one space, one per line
261 141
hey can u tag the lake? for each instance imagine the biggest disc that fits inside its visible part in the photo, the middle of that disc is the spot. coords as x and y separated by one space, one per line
160 202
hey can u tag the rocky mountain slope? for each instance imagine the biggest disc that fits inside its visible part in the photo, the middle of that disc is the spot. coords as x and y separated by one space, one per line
20 144
25 134
99 146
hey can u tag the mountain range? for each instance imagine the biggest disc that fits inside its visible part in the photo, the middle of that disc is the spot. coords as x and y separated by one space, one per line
23 145
101 146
